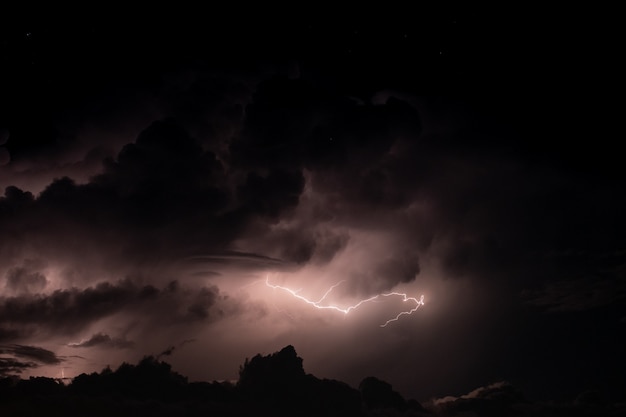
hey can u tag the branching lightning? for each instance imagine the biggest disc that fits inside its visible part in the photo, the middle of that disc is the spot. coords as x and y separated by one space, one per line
319 304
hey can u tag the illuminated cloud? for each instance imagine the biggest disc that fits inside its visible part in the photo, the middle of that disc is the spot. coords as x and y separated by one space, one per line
127 224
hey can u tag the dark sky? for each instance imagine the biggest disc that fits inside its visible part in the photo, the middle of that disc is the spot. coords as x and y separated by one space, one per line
159 170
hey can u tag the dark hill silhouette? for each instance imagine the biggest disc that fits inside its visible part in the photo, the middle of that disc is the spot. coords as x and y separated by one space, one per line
278 382
272 385
379 394
280 369
148 379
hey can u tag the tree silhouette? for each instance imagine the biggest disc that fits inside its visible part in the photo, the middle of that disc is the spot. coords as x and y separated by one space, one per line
272 385
379 394
278 381
148 379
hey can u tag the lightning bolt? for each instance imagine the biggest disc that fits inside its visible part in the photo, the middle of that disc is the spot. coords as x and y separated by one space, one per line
345 310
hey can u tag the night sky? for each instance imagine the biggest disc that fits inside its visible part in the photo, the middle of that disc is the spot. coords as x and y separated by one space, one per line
158 171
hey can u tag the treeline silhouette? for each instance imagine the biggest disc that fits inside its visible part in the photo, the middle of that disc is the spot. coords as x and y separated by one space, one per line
272 385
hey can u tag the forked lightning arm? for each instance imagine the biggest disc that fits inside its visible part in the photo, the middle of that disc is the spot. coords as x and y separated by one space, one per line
345 310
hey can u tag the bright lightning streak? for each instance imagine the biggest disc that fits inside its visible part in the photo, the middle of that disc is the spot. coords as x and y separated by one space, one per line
318 304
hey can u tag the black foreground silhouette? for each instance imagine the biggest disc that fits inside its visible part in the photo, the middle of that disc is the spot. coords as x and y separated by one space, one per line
272 385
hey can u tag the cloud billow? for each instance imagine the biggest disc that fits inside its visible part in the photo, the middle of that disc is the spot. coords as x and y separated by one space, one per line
163 188
103 340
69 311
26 278
19 358
302 181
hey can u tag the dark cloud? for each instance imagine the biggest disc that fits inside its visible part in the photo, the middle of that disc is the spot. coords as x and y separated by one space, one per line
210 105
504 399
73 308
291 123
269 195
399 268
328 243
202 301
170 350
298 243
103 340
68 311
384 273
164 187
37 138
163 159
362 162
582 279
279 123
208 265
5 156
187 341
15 199
293 175
580 294
4 135
225 257
166 352
32 352
11 366
26 278
19 358
8 334
499 398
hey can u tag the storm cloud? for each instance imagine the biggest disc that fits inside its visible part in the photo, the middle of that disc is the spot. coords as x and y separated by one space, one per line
26 278
153 203
69 311
32 352
103 339
18 358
